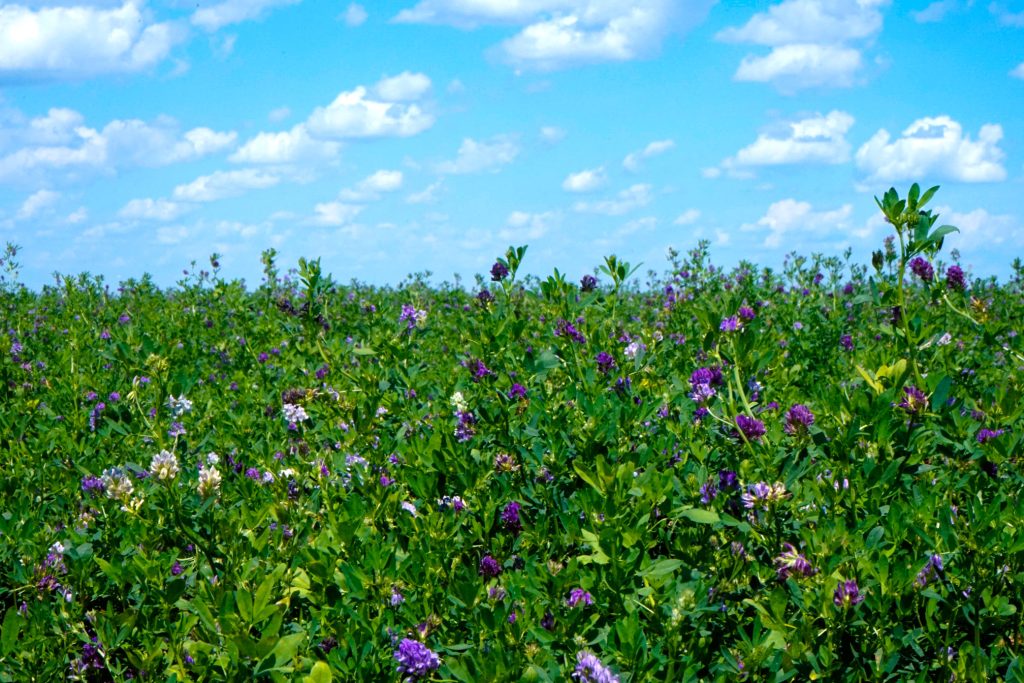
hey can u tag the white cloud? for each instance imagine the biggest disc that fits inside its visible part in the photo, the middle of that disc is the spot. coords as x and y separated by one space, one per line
934 12
644 224
585 181
557 34
223 184
286 147
1019 71
78 215
355 15
353 115
427 195
810 41
802 65
371 187
405 87
627 200
478 156
1007 17
335 213
790 216
934 147
279 114
60 142
522 225
43 199
814 140
980 229
633 160
76 41
234 12
172 234
552 134
688 217
152 209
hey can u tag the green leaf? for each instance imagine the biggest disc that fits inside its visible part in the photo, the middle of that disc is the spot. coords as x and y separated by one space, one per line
927 195
700 515
912 196
11 628
941 232
661 568
320 673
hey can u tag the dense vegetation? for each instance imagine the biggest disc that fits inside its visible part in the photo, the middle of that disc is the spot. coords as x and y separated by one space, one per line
718 475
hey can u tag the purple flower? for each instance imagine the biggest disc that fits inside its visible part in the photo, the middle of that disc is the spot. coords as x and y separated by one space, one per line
798 419
565 328
396 597
955 279
751 428
931 567
412 316
921 268
589 669
588 283
489 567
986 435
499 271
846 341
914 400
510 518
176 429
605 362
478 369
727 479
176 568
708 492
792 563
578 595
464 431
847 594
730 324
747 313
92 485
415 660
516 392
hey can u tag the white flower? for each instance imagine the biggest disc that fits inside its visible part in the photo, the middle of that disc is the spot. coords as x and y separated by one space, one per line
117 484
409 507
294 413
164 465
944 339
459 402
209 481
212 458
179 406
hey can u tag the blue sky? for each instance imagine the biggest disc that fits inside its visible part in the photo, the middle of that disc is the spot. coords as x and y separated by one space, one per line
405 136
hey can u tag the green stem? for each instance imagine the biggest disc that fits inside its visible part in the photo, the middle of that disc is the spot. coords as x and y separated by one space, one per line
902 303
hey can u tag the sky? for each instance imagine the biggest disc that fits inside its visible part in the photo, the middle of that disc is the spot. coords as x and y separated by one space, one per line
395 137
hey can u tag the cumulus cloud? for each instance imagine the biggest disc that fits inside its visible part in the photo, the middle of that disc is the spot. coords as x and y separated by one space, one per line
353 114
405 87
286 147
335 213
627 200
933 147
61 143
523 225
934 12
556 34
475 156
370 188
224 184
354 15
38 201
552 134
814 43
427 195
688 217
817 139
633 160
791 216
230 12
980 229
1018 72
79 41
152 209
587 180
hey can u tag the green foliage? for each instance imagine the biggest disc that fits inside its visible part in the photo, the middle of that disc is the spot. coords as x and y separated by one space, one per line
371 447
